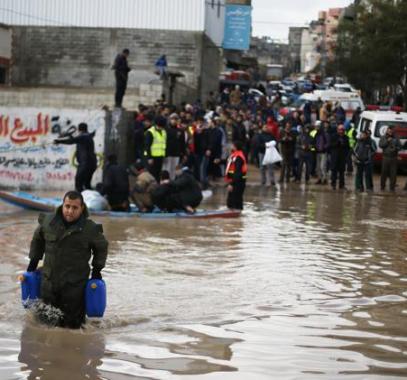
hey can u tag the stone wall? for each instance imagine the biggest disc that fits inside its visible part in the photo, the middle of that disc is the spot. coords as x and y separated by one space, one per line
78 98
82 57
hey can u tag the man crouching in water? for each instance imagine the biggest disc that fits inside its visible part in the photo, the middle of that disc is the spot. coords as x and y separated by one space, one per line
67 240
183 193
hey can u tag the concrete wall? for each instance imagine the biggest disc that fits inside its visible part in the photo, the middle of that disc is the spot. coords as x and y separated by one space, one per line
77 98
212 65
83 57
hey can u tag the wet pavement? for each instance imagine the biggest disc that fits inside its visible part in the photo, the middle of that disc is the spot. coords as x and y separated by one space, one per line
305 285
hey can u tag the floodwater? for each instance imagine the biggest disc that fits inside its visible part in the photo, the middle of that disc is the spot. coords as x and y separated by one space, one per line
306 285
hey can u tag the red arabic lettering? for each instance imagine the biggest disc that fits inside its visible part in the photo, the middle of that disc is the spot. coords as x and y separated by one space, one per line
60 176
21 135
4 125
28 177
18 134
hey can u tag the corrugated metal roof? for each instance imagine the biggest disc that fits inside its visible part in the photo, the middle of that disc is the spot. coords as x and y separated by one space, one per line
143 14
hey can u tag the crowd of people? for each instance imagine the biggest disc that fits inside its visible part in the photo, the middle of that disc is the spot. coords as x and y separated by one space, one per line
315 142
179 151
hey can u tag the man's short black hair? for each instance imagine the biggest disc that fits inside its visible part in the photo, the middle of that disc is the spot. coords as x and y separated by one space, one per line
73 194
83 127
238 145
126 51
164 175
112 158
139 166
160 121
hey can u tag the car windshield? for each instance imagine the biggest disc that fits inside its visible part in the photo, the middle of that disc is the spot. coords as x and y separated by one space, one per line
400 128
344 89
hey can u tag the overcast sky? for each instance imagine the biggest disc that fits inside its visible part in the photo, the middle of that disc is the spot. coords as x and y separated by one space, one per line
274 17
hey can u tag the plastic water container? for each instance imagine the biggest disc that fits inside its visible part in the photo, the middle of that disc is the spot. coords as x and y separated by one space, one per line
30 287
95 298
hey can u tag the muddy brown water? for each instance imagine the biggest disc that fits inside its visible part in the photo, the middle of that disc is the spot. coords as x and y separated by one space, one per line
306 285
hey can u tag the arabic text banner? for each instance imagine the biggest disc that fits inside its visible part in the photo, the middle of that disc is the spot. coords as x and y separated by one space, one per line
28 157
238 23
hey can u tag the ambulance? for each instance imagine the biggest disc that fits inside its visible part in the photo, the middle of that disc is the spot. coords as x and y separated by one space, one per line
378 119
350 101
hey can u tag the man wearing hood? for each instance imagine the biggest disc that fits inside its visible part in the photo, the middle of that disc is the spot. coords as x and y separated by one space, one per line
66 241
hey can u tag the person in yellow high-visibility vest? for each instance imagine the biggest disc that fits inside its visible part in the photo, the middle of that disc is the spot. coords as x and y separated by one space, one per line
313 134
351 133
155 146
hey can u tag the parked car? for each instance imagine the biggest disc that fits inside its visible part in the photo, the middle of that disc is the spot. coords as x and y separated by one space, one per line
378 119
344 87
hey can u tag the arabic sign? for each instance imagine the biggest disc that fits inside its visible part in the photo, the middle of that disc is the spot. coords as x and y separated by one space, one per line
28 157
238 24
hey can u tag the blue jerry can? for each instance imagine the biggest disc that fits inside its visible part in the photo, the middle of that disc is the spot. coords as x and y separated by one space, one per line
30 287
95 298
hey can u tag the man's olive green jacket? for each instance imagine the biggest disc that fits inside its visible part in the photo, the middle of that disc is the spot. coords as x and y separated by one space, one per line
68 250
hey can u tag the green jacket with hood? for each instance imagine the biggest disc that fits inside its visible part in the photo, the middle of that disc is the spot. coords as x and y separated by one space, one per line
67 250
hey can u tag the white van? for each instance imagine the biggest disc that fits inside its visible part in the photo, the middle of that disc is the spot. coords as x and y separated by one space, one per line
378 120
349 101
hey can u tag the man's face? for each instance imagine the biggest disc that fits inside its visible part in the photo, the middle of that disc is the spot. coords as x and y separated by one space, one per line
72 209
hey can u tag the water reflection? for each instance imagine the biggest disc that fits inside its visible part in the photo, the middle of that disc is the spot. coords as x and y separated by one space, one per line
60 354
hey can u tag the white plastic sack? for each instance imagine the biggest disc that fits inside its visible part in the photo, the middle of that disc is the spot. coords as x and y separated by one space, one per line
95 201
271 156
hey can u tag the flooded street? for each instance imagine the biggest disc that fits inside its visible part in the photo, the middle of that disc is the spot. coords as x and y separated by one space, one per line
306 285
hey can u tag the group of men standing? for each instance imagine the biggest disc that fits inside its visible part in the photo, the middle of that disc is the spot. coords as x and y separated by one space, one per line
323 147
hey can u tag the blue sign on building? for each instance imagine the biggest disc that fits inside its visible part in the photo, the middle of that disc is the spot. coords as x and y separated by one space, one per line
238 23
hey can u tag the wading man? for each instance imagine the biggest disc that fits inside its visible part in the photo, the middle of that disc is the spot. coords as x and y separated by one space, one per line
67 240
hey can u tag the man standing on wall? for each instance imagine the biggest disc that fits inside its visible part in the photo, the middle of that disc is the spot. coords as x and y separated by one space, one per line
85 156
121 71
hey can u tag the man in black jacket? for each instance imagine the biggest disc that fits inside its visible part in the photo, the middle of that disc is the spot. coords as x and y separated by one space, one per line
184 193
339 153
85 156
116 185
287 143
175 142
121 71
187 194
213 152
363 152
391 145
